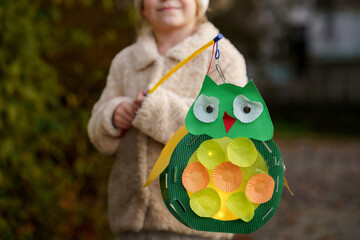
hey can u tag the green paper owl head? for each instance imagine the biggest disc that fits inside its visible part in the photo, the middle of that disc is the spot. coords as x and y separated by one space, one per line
229 110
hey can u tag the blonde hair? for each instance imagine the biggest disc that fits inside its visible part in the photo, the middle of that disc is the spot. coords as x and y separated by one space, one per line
142 25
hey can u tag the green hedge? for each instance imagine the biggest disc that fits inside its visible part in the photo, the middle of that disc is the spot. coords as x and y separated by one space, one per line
54 58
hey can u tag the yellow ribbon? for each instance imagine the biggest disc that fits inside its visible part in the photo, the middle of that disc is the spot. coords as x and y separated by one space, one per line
164 158
287 186
183 62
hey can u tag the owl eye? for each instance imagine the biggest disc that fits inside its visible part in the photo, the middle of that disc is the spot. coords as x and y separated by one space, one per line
206 108
246 110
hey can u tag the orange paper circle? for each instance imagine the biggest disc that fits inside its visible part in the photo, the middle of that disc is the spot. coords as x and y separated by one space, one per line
260 188
227 177
195 177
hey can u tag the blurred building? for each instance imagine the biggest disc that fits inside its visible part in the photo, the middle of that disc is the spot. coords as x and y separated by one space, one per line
316 57
303 55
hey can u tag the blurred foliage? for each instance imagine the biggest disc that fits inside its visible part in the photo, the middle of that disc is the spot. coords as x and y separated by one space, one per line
54 58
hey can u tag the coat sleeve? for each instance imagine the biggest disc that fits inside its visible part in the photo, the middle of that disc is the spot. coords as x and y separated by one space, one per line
162 113
102 133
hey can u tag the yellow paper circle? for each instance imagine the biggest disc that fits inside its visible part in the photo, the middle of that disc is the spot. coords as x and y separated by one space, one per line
260 188
240 206
210 154
242 152
227 177
205 203
195 177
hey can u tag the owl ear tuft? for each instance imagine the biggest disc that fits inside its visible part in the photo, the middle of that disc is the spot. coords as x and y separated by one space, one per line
208 82
250 86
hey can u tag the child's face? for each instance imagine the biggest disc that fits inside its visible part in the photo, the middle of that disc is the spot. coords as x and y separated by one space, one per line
170 14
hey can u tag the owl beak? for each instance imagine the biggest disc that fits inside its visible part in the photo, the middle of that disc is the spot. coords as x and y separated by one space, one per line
228 121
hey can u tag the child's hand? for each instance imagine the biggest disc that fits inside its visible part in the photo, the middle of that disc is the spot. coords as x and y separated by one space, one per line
124 114
140 98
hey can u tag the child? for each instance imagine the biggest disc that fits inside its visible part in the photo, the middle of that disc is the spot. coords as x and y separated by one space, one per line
135 128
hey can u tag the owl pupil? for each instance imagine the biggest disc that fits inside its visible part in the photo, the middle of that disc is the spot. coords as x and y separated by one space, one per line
209 109
246 109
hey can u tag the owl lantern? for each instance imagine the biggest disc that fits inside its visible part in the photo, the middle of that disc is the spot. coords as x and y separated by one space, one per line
221 172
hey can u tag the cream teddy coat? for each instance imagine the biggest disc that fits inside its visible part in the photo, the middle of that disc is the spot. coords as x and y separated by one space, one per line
137 68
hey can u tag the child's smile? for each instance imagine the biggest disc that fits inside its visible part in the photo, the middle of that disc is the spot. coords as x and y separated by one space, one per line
168 6
170 14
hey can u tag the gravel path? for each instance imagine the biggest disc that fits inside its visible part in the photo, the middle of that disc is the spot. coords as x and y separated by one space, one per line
325 178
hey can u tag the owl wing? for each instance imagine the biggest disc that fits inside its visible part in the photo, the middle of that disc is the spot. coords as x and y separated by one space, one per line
165 155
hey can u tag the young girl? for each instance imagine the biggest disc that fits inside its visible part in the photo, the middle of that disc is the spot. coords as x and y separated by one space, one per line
134 128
